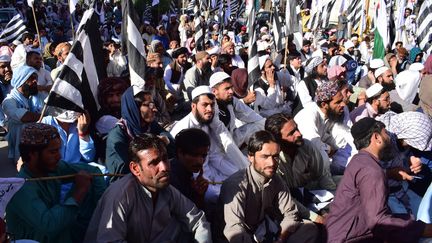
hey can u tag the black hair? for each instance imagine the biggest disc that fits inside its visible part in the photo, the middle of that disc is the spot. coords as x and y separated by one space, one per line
140 97
31 53
146 141
275 122
224 59
188 140
365 140
26 35
257 141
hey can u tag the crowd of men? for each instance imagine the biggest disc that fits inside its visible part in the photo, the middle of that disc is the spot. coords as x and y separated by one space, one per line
328 145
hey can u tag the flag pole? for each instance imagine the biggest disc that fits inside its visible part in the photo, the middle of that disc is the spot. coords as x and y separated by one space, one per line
47 178
42 113
37 28
72 25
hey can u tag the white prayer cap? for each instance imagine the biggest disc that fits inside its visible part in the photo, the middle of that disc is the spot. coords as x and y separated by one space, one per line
380 71
348 44
263 45
337 60
321 42
164 17
416 67
218 77
263 29
203 89
146 22
16 42
5 58
262 60
266 38
215 50
376 63
374 90
354 38
68 116
173 15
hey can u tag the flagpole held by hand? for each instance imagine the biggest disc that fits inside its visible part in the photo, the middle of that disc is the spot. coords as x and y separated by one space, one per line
37 28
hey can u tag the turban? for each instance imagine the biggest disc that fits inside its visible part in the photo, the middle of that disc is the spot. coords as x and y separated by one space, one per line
312 63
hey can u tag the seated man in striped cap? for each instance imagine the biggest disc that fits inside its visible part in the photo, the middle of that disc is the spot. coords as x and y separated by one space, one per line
47 218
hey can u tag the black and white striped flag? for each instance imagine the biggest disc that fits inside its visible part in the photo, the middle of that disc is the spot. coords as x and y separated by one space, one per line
277 29
76 86
424 26
327 13
191 5
355 13
199 31
147 15
133 45
173 7
254 72
13 30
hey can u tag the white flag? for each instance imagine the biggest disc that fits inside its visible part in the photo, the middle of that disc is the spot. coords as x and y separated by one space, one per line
30 3
72 4
155 2
8 187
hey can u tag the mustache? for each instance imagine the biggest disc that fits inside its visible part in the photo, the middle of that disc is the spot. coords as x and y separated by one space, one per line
162 174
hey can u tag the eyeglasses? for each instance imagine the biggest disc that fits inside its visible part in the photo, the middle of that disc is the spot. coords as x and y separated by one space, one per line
150 105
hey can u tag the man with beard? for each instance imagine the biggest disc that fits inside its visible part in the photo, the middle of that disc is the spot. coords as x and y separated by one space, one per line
255 204
44 80
175 72
359 211
5 79
384 76
197 75
224 157
316 69
145 197
232 109
301 164
270 94
36 211
228 48
313 120
17 106
377 103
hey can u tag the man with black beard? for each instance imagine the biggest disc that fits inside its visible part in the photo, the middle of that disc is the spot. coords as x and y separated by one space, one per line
359 211
301 164
224 157
316 69
18 108
5 86
315 119
197 75
384 76
231 109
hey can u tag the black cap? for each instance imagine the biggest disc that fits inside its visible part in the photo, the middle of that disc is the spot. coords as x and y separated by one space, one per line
177 52
361 128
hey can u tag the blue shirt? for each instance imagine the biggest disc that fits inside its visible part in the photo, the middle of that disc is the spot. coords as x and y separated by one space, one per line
73 148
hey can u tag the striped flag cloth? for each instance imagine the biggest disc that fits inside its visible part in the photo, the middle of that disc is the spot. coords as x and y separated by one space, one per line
133 45
76 86
13 30
173 7
199 31
327 13
277 30
254 72
355 13
190 6
147 15
291 18
424 26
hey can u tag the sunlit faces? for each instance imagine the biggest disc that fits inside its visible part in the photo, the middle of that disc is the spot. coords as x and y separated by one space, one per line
203 110
266 161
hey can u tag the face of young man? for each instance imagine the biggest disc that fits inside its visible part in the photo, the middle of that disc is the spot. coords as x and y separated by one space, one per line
147 110
193 162
290 134
296 62
181 59
203 110
384 103
48 158
152 171
386 149
336 107
269 69
266 161
5 72
224 92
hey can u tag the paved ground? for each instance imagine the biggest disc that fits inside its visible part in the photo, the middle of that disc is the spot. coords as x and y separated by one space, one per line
7 169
